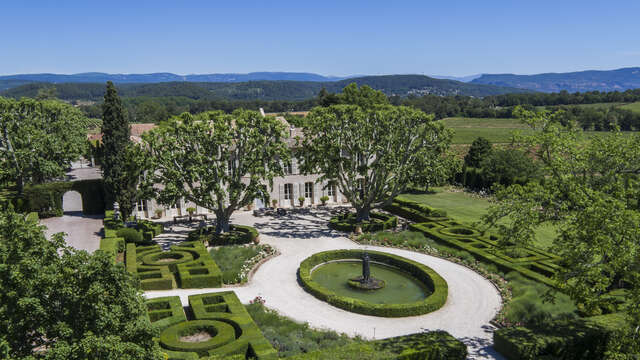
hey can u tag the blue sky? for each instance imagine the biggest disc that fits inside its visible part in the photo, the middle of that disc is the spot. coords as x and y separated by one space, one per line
326 37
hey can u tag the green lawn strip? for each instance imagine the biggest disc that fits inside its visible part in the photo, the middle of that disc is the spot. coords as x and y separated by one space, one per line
468 209
230 260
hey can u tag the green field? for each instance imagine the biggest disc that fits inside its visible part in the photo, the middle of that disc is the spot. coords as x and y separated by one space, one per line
495 130
635 107
498 131
468 208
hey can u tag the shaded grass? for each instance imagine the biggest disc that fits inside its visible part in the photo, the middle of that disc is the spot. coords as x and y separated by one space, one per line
527 307
289 337
468 208
231 258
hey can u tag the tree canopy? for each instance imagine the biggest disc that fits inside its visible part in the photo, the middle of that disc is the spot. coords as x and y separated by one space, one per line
58 303
480 148
372 154
591 192
38 140
218 161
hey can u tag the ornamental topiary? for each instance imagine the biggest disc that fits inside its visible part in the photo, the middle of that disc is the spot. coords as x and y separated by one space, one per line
130 235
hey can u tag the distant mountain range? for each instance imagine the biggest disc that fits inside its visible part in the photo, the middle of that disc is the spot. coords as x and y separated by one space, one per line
607 80
610 80
97 77
289 90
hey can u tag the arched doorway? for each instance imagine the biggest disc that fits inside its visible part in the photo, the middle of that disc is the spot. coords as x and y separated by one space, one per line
72 202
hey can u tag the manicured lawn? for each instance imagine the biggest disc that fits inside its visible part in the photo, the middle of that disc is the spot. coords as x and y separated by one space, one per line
468 208
231 258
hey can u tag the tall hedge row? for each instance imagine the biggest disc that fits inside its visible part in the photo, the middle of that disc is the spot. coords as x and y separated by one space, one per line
46 199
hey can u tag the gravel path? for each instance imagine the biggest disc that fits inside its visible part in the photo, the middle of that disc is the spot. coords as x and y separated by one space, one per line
472 303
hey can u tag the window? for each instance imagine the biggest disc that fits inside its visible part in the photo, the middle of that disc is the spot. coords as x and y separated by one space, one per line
288 169
288 191
331 190
141 206
230 167
308 190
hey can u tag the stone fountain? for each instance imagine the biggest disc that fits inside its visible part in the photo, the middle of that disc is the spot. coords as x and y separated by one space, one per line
366 282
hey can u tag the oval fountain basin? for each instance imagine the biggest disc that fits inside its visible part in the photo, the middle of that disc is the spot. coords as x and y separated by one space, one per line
400 287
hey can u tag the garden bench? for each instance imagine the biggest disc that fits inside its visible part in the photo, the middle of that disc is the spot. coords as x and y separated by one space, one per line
180 217
200 216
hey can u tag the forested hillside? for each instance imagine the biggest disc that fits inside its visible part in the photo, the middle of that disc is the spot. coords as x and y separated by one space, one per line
400 85
612 80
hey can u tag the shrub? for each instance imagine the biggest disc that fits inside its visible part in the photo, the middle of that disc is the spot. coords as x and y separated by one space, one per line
230 260
237 235
592 338
130 235
301 200
324 199
423 273
378 222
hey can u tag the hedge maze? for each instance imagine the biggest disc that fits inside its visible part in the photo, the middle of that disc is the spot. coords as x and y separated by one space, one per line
225 329
187 265
531 262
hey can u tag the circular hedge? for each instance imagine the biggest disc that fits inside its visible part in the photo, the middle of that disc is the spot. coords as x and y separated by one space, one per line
378 222
174 258
423 273
221 333
237 235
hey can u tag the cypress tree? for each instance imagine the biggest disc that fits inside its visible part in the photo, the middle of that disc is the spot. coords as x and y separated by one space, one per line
115 138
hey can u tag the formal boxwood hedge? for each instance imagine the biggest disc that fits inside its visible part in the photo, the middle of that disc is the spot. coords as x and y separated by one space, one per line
165 311
191 267
423 273
575 339
238 336
531 262
222 334
237 235
46 199
379 221
112 246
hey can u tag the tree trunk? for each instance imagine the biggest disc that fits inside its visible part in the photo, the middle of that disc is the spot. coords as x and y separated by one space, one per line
362 214
222 223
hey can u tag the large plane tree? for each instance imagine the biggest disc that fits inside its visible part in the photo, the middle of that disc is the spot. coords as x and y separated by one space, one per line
38 140
218 161
374 153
